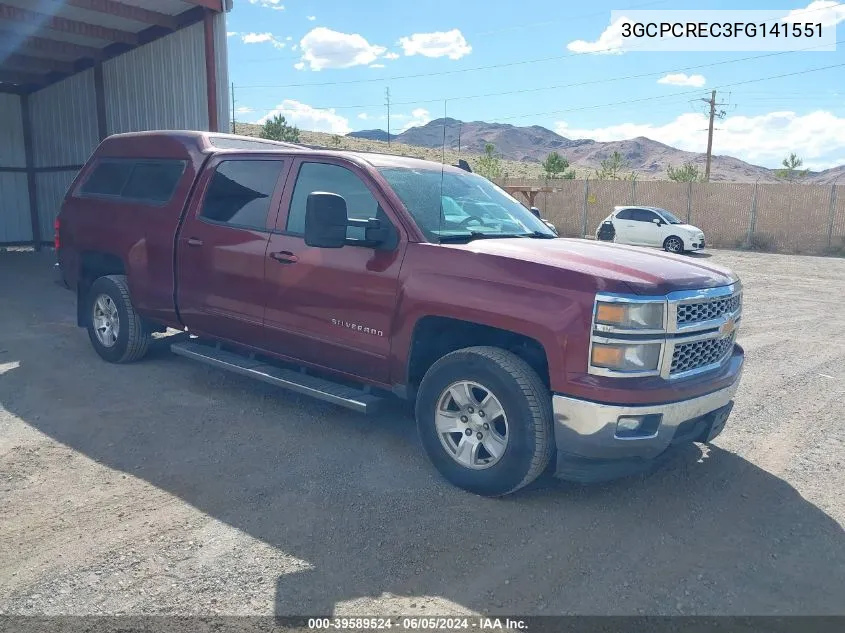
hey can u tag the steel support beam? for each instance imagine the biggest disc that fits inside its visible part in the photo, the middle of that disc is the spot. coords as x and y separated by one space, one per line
125 11
43 21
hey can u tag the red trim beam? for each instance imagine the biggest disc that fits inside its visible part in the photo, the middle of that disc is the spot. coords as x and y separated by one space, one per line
64 25
214 5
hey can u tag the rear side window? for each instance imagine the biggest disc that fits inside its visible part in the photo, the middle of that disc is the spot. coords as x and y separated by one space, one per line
643 215
240 193
624 214
145 181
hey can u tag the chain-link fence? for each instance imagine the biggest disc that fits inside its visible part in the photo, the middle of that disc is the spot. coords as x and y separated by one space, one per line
786 218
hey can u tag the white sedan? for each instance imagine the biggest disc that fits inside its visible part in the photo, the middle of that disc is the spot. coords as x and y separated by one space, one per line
650 226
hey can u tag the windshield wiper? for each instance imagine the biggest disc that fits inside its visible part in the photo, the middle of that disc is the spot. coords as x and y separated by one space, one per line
477 235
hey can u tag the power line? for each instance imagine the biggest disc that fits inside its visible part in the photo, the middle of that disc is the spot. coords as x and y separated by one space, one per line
654 98
575 84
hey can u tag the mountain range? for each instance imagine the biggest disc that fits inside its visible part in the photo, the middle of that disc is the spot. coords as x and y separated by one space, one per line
532 144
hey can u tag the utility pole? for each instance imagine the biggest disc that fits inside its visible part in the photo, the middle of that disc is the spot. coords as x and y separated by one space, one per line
387 103
233 108
713 114
460 123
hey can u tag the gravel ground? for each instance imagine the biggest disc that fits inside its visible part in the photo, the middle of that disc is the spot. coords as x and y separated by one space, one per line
167 487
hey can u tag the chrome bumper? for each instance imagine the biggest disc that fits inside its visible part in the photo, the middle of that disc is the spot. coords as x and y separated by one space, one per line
586 432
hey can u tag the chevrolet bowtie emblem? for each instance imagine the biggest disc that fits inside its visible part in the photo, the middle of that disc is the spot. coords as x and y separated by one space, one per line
727 327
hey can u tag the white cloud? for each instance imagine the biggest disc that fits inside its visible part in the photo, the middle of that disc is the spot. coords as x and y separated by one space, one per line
827 12
231 33
299 65
276 5
260 38
451 44
817 137
324 48
244 110
392 55
418 117
609 42
307 118
364 116
288 38
376 65
682 79
311 18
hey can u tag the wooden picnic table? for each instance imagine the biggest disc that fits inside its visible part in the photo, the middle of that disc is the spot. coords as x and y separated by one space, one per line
529 191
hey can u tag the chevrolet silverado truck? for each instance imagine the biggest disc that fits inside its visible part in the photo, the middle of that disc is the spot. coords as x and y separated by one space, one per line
355 277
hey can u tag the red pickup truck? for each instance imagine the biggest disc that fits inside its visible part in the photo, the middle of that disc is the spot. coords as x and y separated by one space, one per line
352 277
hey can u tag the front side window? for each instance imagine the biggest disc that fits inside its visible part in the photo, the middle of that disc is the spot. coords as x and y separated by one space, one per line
449 206
323 177
240 193
671 219
136 180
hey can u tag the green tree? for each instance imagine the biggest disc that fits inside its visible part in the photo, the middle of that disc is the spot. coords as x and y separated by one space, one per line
791 171
489 165
277 129
556 166
611 168
686 173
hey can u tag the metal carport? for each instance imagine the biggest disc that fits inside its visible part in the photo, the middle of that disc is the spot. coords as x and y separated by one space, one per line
75 71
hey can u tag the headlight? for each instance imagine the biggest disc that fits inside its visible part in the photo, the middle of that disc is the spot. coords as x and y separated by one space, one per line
626 357
630 316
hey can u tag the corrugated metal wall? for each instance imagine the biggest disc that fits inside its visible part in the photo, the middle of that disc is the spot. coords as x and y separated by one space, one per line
64 122
159 86
15 224
50 189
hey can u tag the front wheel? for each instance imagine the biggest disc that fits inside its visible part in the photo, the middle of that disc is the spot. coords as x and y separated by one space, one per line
673 244
117 332
485 420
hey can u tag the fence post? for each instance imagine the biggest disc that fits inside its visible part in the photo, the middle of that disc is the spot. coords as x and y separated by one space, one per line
689 201
832 214
584 218
633 191
753 219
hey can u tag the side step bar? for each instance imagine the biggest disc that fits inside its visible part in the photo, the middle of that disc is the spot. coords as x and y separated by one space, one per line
320 388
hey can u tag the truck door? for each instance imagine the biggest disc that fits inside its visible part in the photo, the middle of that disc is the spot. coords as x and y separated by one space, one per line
221 247
333 307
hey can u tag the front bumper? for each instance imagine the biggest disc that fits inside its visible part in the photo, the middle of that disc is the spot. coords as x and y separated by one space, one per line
590 449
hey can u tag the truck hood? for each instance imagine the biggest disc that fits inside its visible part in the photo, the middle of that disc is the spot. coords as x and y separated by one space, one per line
643 270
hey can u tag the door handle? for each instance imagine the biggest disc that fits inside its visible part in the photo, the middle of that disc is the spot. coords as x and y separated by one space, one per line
194 241
284 257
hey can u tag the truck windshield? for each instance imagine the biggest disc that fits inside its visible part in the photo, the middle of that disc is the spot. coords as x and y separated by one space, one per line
451 207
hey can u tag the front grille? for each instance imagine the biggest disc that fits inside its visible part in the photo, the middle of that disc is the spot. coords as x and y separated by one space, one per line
689 356
708 310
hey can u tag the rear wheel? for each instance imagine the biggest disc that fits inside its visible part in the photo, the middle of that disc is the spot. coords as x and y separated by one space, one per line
673 244
485 420
117 332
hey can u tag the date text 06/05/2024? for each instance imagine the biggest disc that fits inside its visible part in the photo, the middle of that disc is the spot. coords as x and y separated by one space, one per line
419 623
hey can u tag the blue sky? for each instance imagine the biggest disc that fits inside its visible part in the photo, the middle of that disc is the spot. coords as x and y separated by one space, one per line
325 64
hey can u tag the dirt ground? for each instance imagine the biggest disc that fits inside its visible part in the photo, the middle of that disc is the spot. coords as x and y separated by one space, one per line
169 487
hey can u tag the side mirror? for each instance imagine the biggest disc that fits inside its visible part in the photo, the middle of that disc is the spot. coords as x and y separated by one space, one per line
325 220
536 212
657 221
551 226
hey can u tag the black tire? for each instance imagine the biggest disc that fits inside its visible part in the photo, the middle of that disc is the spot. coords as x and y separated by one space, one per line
526 402
133 336
669 245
